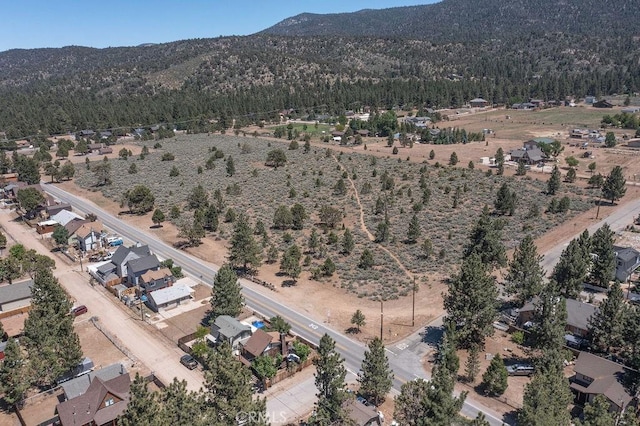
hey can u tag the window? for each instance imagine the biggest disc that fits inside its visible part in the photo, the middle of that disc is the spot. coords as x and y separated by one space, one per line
108 402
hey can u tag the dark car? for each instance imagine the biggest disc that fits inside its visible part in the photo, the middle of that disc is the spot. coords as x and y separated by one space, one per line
79 310
188 361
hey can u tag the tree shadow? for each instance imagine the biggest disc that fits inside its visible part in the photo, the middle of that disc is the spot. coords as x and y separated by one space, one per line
432 335
352 330
289 283
156 226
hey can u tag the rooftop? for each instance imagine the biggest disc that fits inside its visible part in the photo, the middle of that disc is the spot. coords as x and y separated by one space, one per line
170 294
16 291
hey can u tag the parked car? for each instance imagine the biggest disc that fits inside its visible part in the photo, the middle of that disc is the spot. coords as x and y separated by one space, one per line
521 370
108 255
115 241
79 310
188 361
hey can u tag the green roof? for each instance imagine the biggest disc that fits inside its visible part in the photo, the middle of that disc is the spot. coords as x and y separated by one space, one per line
543 140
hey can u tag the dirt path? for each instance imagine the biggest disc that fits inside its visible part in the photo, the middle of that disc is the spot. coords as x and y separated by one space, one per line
364 226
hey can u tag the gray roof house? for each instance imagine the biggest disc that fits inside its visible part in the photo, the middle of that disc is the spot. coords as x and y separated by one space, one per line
78 386
598 376
15 296
527 156
169 297
578 314
137 267
627 261
124 254
230 330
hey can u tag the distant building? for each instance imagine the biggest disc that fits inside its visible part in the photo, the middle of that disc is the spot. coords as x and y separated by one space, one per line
478 103
603 104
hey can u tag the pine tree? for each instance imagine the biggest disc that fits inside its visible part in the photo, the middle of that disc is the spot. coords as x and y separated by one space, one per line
413 233
426 248
227 389
571 270
409 407
226 293
158 217
499 159
14 375
180 407
553 184
546 400
366 260
314 241
453 159
494 380
298 216
471 302
606 325
604 263
348 243
505 200
358 319
244 250
525 275
486 241
290 263
521 170
143 406
375 376
614 185
596 413
329 378
472 366
49 337
231 167
550 319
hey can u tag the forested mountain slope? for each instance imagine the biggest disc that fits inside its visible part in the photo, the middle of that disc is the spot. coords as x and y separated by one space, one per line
253 77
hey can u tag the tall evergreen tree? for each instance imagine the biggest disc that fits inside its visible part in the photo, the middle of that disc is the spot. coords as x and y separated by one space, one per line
486 241
14 375
494 379
290 263
329 377
226 297
49 337
571 270
180 407
604 262
375 377
471 302
244 250
505 202
596 413
413 233
525 276
614 185
499 159
553 184
143 407
348 243
550 319
546 400
606 325
227 389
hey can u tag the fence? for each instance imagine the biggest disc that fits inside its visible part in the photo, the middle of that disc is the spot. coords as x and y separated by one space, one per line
22 310
113 339
284 374
182 342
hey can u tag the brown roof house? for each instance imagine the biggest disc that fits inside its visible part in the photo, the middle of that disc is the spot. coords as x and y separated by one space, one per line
266 343
101 404
362 415
598 376
156 280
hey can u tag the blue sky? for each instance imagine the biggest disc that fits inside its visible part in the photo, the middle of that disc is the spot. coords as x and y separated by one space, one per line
28 24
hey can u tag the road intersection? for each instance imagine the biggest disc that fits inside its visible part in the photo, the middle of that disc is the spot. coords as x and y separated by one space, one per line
405 357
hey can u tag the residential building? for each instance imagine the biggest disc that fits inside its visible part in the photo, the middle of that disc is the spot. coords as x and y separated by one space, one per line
154 280
261 343
361 414
15 296
578 314
89 236
57 208
598 376
527 156
169 297
137 267
65 216
478 103
627 261
230 330
101 404
124 254
78 386
603 104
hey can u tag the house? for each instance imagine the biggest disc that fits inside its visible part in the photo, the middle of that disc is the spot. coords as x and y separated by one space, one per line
87 133
630 109
230 330
46 226
137 267
169 297
63 217
478 103
261 343
419 122
76 387
124 254
633 143
105 150
538 103
101 404
578 314
363 133
57 208
524 106
590 100
527 156
603 104
155 280
15 296
73 226
627 261
94 147
360 414
105 134
536 142
89 236
579 133
598 376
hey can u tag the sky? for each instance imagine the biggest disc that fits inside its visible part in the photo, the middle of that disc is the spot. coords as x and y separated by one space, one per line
29 24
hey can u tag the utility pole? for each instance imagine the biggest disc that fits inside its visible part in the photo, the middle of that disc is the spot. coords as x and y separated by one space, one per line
413 304
598 209
381 318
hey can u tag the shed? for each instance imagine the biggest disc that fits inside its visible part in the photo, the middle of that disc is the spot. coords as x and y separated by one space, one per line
15 296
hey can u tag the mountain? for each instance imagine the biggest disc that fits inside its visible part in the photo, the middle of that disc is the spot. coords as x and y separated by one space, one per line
464 20
497 49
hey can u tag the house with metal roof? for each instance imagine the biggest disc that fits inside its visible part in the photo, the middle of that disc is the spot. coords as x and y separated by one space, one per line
15 296
65 216
169 297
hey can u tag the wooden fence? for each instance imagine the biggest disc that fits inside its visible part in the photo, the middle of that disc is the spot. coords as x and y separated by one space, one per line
22 310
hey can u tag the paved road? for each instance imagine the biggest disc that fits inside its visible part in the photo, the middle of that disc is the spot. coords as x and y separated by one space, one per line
406 365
